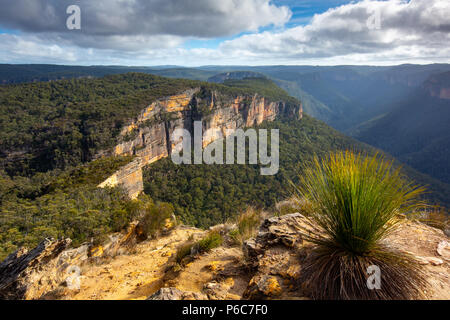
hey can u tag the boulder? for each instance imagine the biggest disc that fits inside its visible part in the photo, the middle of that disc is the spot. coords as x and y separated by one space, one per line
284 230
263 286
220 290
275 257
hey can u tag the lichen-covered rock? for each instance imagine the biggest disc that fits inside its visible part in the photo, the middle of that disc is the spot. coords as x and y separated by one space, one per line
263 287
275 257
252 250
281 230
284 231
220 289
216 290
176 294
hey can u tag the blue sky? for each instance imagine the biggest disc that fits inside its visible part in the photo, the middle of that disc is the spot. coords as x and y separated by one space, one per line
302 11
246 32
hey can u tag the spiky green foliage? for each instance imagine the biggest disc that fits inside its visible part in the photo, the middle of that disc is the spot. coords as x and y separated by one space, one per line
356 200
186 251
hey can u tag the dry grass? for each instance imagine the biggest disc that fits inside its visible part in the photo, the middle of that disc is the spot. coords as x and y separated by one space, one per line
436 217
293 204
334 274
247 223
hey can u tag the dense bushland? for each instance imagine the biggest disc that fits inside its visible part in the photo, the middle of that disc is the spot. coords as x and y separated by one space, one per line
205 195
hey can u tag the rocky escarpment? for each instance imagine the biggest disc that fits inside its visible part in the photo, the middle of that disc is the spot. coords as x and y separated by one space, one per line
438 86
53 268
27 275
268 266
148 137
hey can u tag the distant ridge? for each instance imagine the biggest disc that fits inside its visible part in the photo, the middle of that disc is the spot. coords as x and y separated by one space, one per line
235 75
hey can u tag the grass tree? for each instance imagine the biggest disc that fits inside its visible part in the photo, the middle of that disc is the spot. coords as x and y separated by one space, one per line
356 201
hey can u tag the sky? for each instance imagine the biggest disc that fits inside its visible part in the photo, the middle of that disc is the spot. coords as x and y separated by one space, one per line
225 32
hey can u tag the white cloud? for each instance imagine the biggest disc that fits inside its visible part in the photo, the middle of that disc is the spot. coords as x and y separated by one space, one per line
413 28
187 18
417 31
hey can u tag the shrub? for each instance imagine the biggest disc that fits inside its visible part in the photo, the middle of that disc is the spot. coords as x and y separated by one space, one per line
356 200
155 218
212 240
293 205
247 226
182 252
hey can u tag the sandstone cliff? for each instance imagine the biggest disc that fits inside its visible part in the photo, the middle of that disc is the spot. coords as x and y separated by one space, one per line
148 136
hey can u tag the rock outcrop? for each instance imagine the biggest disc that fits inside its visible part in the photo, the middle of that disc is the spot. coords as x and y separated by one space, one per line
28 275
275 256
269 266
149 136
52 268
277 253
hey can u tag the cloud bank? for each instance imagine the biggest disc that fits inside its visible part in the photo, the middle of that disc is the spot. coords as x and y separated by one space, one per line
153 32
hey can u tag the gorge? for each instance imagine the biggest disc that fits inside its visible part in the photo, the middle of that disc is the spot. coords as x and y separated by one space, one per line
148 137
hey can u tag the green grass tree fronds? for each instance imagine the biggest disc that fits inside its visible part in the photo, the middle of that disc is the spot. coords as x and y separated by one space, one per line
356 201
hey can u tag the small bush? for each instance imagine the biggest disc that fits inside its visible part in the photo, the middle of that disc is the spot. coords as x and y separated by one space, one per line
293 205
182 252
212 240
247 223
155 218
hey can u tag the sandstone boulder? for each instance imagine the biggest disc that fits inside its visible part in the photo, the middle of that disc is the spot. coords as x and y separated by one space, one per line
275 257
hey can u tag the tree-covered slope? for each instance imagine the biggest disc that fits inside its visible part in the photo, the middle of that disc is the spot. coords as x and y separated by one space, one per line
49 134
21 73
205 195
50 125
51 131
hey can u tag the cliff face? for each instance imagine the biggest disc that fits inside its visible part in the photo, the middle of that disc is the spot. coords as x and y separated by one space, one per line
438 86
148 136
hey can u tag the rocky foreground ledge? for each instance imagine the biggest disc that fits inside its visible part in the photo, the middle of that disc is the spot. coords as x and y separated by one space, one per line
266 267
